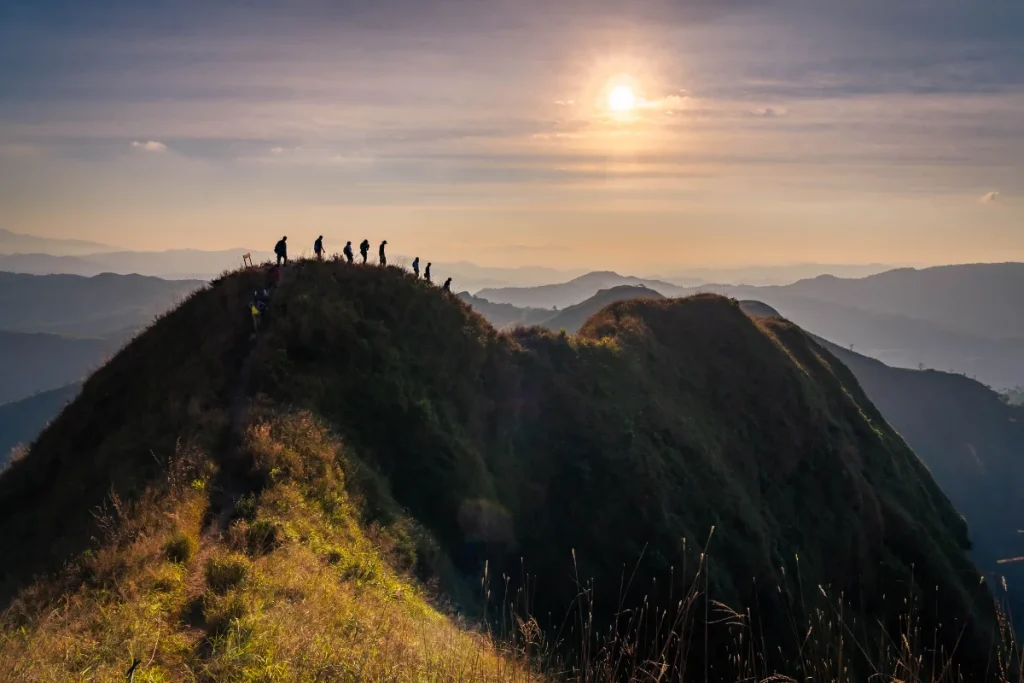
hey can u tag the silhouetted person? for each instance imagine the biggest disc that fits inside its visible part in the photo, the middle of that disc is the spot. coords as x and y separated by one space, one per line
318 247
281 249
364 249
416 266
447 286
380 253
348 251
426 273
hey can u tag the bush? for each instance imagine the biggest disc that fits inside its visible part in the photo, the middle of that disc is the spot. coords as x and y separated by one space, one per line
226 572
181 548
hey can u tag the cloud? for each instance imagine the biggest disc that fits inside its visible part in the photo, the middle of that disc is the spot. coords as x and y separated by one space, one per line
149 146
769 112
667 103
990 197
277 150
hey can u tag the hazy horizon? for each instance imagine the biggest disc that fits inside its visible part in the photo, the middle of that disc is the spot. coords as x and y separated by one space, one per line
583 135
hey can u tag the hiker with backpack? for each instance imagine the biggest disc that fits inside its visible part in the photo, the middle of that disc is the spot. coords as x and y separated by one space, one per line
281 250
318 248
348 251
416 266
257 307
447 286
364 249
380 253
426 273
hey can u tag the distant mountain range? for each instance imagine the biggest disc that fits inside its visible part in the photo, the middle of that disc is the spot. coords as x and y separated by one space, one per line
178 264
574 291
100 306
967 319
38 362
21 421
17 243
770 275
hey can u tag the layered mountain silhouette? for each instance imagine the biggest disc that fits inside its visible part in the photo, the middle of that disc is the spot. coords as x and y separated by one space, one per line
22 420
40 362
212 492
574 291
106 305
964 319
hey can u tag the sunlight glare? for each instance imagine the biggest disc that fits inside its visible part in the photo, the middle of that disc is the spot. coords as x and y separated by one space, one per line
621 99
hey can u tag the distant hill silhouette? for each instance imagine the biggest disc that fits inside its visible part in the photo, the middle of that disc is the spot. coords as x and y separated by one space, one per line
899 340
282 488
572 318
39 362
503 315
17 243
175 264
21 421
574 291
89 307
977 299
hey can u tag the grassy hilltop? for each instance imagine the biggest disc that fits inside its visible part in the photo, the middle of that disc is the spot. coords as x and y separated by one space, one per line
297 506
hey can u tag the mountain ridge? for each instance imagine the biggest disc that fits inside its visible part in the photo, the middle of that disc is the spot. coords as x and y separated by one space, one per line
597 450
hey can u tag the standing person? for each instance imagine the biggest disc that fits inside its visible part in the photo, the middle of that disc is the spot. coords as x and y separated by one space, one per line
281 249
416 266
426 273
380 253
364 249
348 250
318 247
447 285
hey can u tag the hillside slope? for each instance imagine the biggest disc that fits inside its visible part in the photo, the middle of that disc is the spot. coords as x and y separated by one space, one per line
972 442
377 427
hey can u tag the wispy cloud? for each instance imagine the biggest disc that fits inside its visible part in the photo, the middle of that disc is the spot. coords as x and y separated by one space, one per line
769 112
989 197
149 146
672 102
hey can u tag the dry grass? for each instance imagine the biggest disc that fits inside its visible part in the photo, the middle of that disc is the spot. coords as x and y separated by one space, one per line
299 592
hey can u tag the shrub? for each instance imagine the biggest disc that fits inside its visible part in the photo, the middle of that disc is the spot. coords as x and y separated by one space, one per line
181 548
226 572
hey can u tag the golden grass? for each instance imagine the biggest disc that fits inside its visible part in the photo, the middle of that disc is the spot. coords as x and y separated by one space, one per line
319 602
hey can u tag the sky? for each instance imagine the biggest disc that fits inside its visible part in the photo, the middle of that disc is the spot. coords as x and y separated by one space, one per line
771 132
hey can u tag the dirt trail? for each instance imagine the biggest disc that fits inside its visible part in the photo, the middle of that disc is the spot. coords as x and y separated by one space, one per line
230 486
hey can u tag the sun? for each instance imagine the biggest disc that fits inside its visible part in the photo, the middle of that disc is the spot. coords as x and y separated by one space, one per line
621 98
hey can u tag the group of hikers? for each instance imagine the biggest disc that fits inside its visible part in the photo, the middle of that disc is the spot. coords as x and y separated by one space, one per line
261 298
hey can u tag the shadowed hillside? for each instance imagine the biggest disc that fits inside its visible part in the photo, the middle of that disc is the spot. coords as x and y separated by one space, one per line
973 443
377 428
